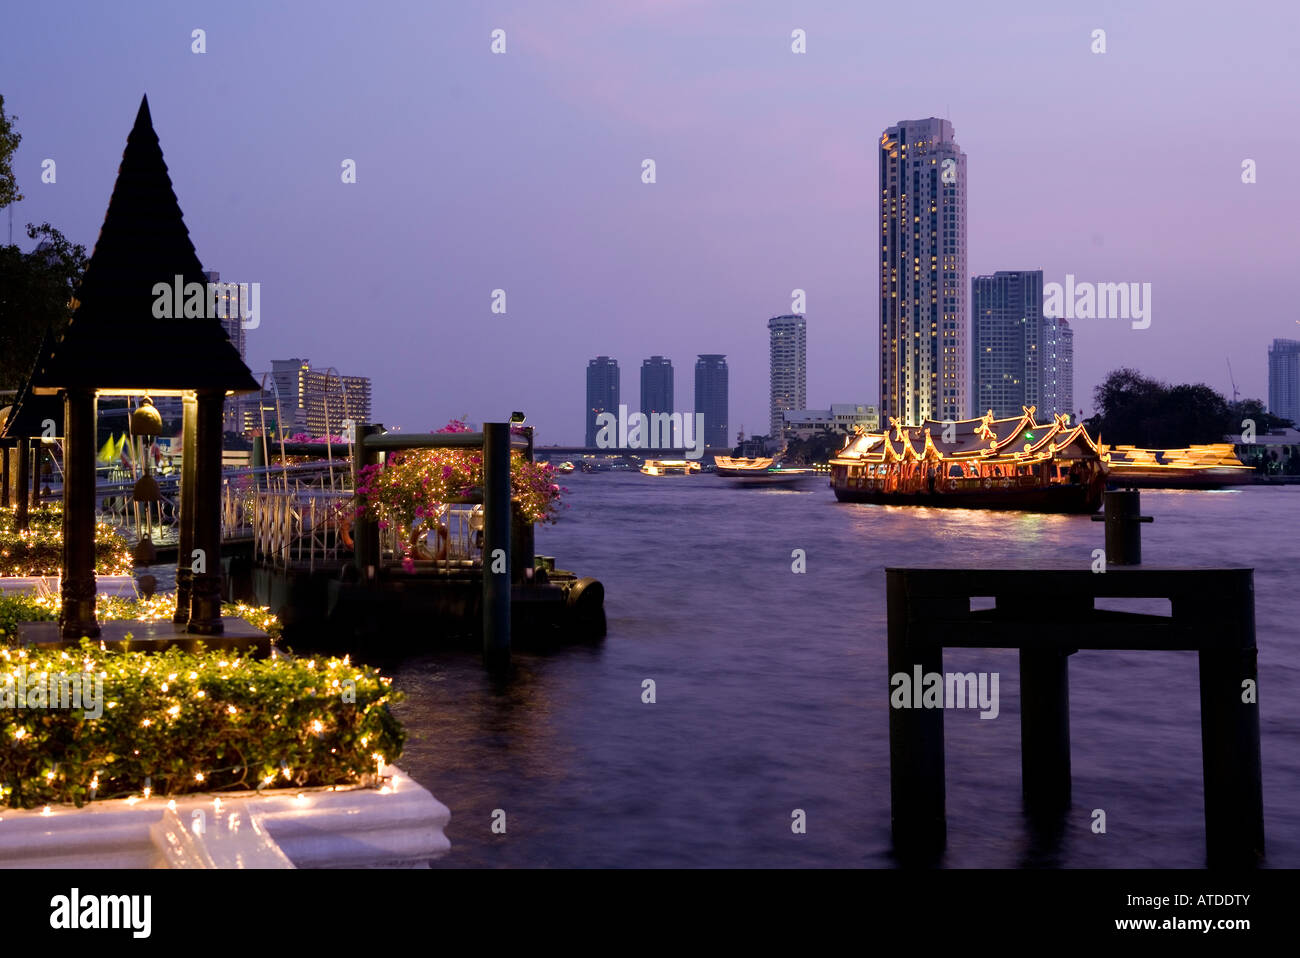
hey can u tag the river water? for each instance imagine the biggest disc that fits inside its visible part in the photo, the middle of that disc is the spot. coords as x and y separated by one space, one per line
771 691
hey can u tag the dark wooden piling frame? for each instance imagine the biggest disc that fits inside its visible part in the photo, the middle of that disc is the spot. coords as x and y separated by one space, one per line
496 443
1048 615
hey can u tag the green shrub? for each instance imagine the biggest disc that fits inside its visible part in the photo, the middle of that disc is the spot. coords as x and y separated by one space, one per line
179 722
39 550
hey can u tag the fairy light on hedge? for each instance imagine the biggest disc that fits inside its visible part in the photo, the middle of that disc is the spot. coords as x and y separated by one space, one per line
311 750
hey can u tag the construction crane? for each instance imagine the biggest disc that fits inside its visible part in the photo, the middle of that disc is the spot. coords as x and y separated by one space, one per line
1235 394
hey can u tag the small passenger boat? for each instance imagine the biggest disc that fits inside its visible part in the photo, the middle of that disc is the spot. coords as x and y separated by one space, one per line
669 467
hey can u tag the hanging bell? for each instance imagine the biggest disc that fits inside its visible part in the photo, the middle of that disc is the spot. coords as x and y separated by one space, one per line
144 553
146 420
146 489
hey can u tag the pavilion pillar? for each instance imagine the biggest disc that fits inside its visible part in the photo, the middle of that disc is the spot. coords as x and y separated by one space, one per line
185 541
4 477
77 616
205 598
21 492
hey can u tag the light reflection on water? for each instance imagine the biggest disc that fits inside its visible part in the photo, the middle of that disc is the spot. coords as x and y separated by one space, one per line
772 690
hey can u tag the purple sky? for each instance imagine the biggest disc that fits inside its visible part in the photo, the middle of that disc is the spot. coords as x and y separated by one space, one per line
522 171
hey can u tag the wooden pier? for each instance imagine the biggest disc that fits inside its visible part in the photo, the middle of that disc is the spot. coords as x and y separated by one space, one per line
1213 614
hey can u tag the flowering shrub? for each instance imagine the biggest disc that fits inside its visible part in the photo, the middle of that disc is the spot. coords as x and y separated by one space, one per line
413 485
39 550
175 722
28 607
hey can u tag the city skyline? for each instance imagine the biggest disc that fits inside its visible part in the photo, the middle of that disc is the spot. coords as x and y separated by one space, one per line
763 157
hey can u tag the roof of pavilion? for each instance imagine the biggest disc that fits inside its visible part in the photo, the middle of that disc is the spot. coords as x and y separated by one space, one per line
114 340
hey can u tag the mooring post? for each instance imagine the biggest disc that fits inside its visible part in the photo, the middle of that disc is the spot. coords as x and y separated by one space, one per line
365 532
1123 526
496 545
1045 730
916 777
1234 791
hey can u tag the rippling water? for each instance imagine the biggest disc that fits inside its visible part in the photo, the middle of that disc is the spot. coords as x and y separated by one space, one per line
771 691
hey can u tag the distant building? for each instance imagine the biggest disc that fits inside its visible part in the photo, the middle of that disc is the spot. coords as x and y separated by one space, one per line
330 398
841 418
229 309
711 394
924 345
1284 379
286 375
312 401
602 393
656 385
1006 333
789 353
1056 371
1019 357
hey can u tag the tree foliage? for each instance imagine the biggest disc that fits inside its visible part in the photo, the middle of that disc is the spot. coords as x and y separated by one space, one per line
9 140
1133 409
36 294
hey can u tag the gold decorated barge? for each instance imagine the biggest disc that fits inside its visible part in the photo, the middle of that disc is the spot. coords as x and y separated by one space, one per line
982 463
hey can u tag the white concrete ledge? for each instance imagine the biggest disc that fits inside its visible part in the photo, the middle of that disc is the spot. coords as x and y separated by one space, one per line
400 825
104 584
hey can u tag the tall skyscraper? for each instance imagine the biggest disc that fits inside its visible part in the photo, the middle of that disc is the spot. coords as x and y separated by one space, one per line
789 342
1284 379
711 398
924 346
1006 334
656 385
1056 375
602 392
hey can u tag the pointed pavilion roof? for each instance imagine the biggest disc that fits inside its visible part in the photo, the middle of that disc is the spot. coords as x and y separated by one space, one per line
114 340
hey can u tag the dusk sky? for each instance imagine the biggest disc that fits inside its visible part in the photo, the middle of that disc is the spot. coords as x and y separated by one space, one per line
522 171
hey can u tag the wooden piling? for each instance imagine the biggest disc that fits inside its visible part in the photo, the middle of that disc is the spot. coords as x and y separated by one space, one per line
918 814
496 545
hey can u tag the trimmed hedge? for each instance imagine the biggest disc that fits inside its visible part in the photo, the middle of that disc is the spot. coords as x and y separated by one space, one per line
39 550
179 722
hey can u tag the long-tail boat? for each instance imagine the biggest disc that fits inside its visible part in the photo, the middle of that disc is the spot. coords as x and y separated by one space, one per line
983 463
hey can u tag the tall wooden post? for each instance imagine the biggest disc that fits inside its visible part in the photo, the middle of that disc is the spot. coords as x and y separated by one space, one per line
918 811
1045 730
1234 791
365 532
23 491
77 616
205 599
185 540
496 545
